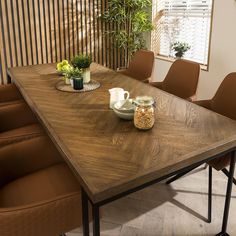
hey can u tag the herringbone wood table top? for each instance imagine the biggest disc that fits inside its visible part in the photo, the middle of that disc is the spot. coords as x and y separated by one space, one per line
109 155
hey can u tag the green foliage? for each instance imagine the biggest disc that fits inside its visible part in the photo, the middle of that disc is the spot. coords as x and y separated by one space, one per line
180 48
73 73
81 61
132 19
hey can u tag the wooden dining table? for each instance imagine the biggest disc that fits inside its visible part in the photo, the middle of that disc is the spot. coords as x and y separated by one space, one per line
109 156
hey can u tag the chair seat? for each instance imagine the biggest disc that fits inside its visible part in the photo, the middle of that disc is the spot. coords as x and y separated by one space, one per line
47 202
44 185
7 103
157 84
221 162
9 94
19 134
16 115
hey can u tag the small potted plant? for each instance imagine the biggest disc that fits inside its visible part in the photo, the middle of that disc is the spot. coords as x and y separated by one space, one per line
75 77
180 48
83 62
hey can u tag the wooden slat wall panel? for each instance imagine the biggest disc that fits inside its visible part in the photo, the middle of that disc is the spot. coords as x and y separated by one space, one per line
45 31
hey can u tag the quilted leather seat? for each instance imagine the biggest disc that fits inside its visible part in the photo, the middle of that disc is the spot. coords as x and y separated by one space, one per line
16 119
38 193
9 94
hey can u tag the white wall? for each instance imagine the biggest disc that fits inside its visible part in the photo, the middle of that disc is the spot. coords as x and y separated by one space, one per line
223 51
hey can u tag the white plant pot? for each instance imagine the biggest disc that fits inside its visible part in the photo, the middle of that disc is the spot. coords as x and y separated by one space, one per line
86 75
72 83
67 81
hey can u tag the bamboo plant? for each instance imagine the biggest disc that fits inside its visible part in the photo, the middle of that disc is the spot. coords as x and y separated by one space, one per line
132 19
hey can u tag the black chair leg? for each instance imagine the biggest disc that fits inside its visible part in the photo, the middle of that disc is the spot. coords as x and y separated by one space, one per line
210 195
226 172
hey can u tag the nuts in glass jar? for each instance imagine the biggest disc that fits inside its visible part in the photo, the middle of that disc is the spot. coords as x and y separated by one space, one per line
144 116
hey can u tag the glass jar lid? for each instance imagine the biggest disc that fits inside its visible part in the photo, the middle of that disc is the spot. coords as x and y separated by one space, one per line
144 101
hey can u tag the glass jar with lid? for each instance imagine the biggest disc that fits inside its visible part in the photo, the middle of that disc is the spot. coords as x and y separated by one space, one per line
144 115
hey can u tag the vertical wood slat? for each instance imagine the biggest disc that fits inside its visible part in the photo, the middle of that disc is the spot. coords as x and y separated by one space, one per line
98 31
3 48
8 32
56 43
19 28
45 31
36 45
13 41
94 32
27 21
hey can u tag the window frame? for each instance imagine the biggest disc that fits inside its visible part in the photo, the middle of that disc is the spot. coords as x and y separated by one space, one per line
204 67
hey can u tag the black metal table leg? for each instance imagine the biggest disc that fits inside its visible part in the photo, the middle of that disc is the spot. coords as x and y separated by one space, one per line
85 213
96 221
228 196
179 176
226 172
210 194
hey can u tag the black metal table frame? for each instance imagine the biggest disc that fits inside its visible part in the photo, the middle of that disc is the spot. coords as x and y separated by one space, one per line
96 206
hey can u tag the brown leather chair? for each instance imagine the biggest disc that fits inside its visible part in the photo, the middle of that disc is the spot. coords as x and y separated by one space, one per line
9 94
141 66
181 79
224 103
16 119
17 123
38 193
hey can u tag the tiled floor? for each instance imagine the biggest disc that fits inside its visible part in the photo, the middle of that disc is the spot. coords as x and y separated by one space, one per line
162 210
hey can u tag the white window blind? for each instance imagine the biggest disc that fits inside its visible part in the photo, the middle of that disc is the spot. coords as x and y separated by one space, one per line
187 21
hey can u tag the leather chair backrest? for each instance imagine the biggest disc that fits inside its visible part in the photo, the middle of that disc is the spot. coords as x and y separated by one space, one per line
22 158
141 65
182 78
224 101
